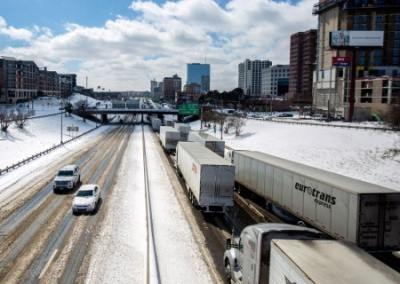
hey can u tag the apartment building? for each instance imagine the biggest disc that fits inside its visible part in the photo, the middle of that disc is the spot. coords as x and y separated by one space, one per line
377 66
22 80
275 80
302 64
250 73
67 83
18 80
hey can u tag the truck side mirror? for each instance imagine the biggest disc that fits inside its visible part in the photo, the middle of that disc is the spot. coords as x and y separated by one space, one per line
228 243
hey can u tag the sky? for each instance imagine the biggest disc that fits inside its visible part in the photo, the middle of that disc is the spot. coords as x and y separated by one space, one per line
121 45
118 248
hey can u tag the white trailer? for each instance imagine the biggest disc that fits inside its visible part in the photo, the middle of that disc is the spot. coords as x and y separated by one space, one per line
325 261
211 142
345 208
169 138
183 128
155 124
210 179
168 122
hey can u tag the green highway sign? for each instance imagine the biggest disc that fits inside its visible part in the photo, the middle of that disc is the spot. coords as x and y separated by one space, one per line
190 108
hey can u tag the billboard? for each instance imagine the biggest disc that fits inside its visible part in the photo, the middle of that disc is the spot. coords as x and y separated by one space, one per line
356 38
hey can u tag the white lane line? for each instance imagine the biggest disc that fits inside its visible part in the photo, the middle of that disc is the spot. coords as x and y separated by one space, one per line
48 263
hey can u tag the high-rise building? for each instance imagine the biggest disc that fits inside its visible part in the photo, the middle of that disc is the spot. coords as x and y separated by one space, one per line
171 86
376 68
303 47
199 74
275 80
250 75
153 85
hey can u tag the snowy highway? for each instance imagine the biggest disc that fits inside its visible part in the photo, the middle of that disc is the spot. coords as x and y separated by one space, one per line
41 240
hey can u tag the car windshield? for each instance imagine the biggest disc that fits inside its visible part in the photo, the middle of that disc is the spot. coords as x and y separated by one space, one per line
85 193
65 173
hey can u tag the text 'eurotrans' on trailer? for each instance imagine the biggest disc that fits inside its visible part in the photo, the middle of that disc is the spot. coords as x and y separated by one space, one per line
345 208
209 178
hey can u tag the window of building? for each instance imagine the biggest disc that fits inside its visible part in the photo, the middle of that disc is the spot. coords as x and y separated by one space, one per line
356 19
398 17
362 53
377 61
397 26
363 27
396 43
363 19
377 52
379 19
355 27
395 60
379 27
397 35
361 61
396 52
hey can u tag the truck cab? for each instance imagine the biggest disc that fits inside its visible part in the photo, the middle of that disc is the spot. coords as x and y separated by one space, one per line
247 257
67 178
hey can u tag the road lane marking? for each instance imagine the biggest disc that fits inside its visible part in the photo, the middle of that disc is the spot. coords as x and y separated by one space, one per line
48 263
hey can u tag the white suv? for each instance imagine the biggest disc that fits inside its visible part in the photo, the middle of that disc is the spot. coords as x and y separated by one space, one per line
86 199
67 178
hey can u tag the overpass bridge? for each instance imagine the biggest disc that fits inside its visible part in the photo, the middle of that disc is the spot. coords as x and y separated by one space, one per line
104 112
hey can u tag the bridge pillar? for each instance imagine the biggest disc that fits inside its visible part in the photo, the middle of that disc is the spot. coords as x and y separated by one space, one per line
104 118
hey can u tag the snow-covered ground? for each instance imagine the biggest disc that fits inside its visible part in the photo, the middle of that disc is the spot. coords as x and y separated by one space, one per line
356 153
350 152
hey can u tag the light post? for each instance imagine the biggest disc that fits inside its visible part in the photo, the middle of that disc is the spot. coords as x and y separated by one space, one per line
61 115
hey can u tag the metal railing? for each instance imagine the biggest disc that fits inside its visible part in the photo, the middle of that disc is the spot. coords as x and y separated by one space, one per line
33 157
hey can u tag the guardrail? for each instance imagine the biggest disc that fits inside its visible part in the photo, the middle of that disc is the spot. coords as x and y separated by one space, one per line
327 124
27 160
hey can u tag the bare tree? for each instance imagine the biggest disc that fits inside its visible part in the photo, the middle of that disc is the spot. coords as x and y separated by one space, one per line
220 119
238 122
392 117
81 105
21 117
6 117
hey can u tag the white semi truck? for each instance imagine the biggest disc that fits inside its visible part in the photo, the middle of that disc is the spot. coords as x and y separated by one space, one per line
209 141
345 208
283 253
209 178
169 138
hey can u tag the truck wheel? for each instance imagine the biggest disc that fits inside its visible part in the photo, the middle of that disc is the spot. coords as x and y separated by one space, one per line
228 270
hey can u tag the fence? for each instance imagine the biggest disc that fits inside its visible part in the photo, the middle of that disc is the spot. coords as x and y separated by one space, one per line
334 125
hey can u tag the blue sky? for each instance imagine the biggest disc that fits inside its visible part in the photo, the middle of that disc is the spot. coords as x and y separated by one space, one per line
121 44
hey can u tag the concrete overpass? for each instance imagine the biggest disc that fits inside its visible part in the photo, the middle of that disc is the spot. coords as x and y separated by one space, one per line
104 112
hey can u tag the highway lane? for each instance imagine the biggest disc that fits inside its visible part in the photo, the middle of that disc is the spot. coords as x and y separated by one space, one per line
42 226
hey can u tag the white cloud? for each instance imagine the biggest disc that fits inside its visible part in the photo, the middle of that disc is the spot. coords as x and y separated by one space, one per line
122 53
13 33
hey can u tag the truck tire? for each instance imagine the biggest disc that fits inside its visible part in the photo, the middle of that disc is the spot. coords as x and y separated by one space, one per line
228 270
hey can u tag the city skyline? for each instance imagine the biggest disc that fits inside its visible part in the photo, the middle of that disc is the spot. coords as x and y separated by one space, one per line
122 45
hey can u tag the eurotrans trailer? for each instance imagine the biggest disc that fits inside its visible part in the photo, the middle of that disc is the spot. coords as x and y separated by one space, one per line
345 208
210 179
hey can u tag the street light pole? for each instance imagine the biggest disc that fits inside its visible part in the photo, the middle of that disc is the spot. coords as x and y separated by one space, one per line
61 114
